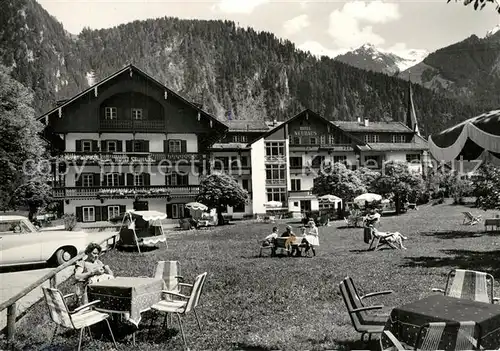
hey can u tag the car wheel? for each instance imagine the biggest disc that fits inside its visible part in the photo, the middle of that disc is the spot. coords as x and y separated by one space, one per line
64 254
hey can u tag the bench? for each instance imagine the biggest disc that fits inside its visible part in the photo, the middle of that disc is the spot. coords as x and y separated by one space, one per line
492 222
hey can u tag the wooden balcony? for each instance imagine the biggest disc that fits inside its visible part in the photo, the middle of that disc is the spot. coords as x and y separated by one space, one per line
135 125
124 192
129 157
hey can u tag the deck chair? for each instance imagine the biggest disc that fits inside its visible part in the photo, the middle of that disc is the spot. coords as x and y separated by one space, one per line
182 304
379 241
469 219
470 285
458 335
78 319
362 321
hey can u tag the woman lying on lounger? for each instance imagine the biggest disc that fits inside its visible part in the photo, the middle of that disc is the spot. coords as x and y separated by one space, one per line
395 237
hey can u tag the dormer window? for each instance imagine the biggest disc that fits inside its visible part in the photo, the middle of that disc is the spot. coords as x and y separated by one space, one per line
110 113
137 114
240 139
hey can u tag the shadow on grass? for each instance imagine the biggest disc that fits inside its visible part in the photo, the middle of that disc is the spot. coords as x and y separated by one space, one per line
458 234
134 249
28 267
244 347
358 345
488 261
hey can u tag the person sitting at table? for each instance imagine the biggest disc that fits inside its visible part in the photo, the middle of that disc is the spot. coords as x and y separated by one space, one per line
90 270
312 237
291 238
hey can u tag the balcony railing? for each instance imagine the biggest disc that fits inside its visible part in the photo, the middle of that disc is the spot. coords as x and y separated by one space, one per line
125 191
275 159
128 157
276 181
114 124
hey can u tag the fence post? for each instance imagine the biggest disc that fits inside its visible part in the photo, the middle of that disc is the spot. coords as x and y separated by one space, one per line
11 321
53 281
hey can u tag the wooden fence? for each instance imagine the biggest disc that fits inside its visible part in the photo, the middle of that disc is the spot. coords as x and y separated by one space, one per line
11 303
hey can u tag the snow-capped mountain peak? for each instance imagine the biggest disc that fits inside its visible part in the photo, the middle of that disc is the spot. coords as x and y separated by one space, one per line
492 31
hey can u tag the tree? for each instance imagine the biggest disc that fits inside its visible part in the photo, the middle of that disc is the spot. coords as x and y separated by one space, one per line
34 194
480 4
486 187
398 182
220 190
340 181
367 176
21 147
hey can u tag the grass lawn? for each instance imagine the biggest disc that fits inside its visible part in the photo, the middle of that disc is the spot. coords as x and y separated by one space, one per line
266 303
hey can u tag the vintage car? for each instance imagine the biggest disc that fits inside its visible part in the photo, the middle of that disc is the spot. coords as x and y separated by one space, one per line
22 243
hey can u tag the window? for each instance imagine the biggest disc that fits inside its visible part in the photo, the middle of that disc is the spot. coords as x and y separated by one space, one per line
137 114
412 157
276 194
296 203
295 162
88 214
175 179
313 140
87 145
137 145
240 139
322 139
87 180
111 146
244 184
177 210
113 211
221 163
398 138
110 112
112 179
174 146
331 139
295 184
340 158
275 172
240 208
244 161
372 138
275 148
138 179
317 161
296 140
373 162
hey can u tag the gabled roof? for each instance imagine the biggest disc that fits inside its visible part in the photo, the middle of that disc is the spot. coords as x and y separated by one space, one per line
134 69
354 126
298 115
247 126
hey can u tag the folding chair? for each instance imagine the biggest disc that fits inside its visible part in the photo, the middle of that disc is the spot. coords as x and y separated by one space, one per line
379 241
470 285
469 219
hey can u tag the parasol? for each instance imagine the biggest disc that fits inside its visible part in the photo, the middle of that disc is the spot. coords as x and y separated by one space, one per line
475 138
330 198
368 197
196 206
273 204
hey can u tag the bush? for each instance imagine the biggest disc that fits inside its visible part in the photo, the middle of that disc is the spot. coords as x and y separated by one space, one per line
69 221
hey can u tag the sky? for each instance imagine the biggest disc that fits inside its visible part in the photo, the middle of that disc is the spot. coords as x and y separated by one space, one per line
322 27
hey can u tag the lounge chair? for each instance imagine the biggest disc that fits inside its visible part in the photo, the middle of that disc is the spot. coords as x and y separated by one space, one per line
379 241
430 337
469 219
362 321
457 279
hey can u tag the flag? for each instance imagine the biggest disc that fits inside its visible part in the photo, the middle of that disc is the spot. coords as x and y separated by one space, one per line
411 116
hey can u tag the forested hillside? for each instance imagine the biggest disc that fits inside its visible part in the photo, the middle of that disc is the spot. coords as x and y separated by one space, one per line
254 74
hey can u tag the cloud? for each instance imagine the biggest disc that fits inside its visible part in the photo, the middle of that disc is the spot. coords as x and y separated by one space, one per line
318 49
296 24
238 6
347 26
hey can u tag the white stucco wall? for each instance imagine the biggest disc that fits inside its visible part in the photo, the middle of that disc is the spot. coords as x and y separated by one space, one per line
258 176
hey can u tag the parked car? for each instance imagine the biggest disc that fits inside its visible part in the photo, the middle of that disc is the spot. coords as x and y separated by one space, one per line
22 243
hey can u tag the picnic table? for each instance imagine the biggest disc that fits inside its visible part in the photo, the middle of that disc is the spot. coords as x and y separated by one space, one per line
405 321
294 241
129 296
494 223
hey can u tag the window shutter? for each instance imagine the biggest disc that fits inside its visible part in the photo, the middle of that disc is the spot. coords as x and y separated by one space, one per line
95 146
104 180
169 210
97 179
97 213
78 179
165 146
78 145
123 209
184 179
128 146
130 179
146 178
121 179
79 214
103 146
183 145
145 146
119 146
104 213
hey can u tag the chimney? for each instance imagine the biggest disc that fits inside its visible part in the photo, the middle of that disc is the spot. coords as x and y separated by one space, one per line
367 122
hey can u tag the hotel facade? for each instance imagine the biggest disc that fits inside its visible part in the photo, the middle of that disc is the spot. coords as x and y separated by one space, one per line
130 142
